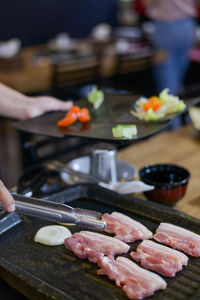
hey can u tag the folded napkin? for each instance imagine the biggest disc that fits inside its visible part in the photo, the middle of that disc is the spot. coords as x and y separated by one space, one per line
128 187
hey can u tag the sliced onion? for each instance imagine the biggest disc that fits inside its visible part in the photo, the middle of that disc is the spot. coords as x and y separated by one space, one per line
52 235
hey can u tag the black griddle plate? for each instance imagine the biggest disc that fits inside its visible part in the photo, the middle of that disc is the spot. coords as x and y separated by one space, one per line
114 110
53 272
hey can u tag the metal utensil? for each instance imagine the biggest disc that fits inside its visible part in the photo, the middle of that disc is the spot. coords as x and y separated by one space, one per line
57 212
78 176
102 168
103 162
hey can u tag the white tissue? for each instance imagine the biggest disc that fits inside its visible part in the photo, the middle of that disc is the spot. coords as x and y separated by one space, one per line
9 48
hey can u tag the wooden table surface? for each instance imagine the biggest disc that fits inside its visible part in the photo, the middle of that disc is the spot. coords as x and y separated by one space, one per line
181 147
28 77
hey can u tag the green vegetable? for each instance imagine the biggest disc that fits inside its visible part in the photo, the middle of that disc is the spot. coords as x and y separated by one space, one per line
173 102
96 97
152 116
126 131
180 106
166 97
170 105
194 113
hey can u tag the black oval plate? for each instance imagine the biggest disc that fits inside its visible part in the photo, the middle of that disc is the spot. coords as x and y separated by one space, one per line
114 110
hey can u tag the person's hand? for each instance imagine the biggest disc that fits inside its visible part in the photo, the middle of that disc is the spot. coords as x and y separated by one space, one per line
16 105
6 198
36 106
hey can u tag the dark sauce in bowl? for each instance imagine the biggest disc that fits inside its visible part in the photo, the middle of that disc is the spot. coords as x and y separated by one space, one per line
164 174
167 177
170 182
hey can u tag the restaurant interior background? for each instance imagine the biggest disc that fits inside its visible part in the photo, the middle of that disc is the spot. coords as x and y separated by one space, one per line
61 48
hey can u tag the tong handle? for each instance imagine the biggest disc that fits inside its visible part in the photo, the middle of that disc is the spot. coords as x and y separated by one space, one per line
43 209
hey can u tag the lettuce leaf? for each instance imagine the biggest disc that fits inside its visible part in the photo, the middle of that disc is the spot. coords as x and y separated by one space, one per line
96 97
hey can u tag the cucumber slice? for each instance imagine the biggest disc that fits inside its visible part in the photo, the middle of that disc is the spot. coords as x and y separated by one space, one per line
124 131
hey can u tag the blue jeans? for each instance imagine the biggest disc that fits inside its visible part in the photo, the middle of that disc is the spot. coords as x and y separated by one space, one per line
175 39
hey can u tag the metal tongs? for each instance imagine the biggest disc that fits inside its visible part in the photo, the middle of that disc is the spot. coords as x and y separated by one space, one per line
57 212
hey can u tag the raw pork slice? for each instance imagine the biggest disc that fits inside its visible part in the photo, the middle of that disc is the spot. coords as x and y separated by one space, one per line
93 246
178 238
125 228
135 281
159 258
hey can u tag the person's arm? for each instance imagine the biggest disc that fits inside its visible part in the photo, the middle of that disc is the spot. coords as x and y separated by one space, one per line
16 105
6 198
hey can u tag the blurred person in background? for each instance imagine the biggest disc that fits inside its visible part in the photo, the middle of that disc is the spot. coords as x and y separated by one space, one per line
16 105
174 36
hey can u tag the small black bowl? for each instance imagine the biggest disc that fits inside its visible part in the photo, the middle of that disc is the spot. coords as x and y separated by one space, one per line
170 182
